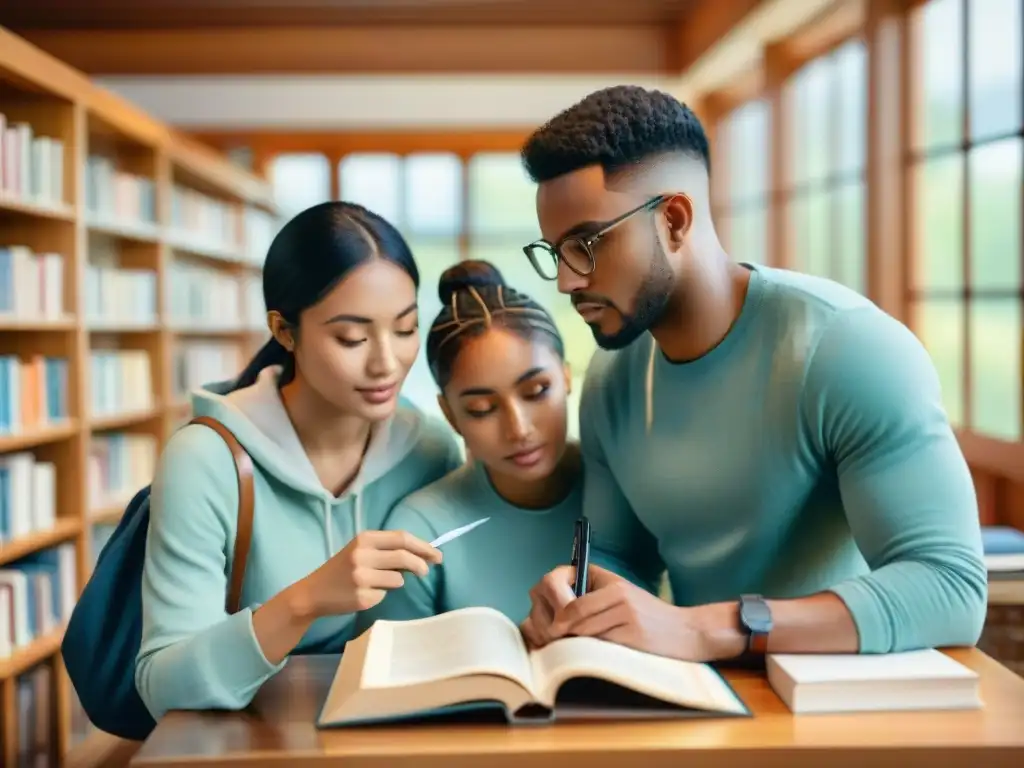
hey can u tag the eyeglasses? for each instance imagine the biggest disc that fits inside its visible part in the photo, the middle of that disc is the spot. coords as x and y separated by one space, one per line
577 251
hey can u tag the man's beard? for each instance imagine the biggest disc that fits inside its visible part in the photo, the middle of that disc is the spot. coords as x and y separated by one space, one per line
651 301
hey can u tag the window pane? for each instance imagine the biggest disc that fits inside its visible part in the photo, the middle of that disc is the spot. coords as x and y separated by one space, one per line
433 194
995 173
849 218
748 152
433 256
796 221
723 226
813 120
939 325
819 241
996 367
851 87
502 199
799 231
994 66
940 36
374 181
938 188
299 181
755 235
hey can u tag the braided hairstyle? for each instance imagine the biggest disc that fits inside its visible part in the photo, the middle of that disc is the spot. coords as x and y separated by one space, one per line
476 299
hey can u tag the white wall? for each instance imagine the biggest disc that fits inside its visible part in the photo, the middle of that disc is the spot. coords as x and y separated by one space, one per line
326 102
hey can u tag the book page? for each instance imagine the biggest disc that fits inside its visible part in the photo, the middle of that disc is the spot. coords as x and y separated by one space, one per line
683 683
470 641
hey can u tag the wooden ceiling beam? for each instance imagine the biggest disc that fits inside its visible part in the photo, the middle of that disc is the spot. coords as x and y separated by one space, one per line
705 23
638 49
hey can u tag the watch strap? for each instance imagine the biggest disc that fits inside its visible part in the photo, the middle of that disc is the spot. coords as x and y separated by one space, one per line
755 616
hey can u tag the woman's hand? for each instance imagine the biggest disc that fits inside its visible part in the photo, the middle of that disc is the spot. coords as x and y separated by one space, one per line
358 577
355 579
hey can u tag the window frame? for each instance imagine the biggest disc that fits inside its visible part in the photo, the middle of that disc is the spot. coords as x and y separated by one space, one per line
915 158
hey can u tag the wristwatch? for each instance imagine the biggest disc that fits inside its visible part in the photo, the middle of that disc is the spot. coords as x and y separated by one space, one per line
756 619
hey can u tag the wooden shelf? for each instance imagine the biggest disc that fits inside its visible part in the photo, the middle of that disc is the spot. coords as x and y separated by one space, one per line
102 136
43 326
25 658
57 213
65 528
37 437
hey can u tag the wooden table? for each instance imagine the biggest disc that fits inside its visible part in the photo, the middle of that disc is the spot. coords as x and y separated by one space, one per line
279 730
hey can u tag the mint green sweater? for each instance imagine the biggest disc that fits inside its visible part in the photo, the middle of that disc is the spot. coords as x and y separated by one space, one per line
809 451
495 564
195 656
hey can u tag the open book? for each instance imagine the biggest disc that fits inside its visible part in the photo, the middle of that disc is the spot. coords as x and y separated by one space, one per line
475 659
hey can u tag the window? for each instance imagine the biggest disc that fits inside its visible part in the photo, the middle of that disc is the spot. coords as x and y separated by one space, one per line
299 181
741 199
825 185
448 209
502 219
421 194
966 175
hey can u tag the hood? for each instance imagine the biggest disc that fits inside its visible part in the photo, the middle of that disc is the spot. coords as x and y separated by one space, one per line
257 417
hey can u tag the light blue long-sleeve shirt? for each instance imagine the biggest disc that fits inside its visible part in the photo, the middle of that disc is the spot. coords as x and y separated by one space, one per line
808 451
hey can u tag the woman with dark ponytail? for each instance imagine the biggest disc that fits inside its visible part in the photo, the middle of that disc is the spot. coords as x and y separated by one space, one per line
333 450
499 362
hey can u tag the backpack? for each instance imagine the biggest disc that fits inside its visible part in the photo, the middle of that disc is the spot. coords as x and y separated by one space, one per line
105 630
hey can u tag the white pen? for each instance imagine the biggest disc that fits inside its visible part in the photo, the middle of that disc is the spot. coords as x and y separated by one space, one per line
444 538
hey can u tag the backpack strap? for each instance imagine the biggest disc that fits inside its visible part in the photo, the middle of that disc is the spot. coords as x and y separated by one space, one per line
246 504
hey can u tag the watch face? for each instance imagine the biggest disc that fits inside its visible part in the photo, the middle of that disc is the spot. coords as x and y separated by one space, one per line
756 616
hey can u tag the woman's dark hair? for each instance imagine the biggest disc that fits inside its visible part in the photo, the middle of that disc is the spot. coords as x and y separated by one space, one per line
476 299
309 256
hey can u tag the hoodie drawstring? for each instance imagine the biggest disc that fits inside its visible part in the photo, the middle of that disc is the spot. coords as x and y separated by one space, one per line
327 528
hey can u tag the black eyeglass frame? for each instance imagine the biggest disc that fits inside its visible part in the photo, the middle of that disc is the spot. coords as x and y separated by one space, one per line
586 242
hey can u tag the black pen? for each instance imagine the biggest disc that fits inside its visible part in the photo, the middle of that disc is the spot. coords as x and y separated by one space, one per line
581 556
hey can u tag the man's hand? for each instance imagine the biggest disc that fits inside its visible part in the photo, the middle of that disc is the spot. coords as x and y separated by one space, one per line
618 611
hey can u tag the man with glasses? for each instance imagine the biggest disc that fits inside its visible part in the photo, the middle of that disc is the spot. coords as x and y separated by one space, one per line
772 440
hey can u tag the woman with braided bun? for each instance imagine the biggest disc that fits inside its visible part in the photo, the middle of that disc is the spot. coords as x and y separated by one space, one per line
498 360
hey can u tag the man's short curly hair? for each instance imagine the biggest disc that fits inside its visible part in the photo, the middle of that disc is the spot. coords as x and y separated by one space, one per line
615 128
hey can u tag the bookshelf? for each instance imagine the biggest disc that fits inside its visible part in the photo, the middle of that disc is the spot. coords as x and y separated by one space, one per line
130 263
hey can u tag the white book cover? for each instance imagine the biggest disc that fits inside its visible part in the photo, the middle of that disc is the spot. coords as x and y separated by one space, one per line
44 482
912 680
20 489
6 630
19 589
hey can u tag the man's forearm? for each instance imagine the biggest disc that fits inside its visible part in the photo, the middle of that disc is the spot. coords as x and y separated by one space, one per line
818 623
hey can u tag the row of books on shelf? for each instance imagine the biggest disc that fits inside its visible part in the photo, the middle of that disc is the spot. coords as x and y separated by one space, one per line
200 363
117 198
116 297
204 222
31 164
28 495
36 734
204 298
33 392
119 465
31 284
37 595
121 382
